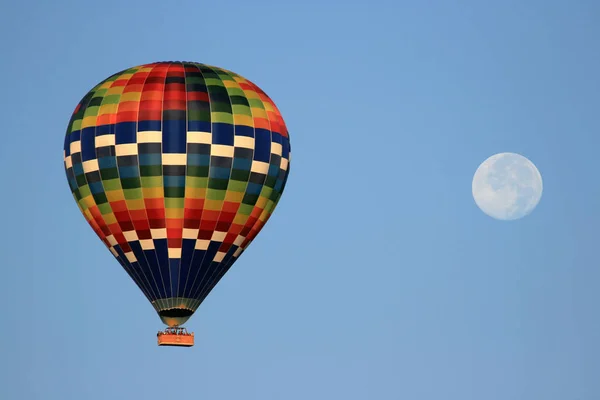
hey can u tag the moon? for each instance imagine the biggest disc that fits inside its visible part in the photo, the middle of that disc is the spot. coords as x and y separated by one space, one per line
507 186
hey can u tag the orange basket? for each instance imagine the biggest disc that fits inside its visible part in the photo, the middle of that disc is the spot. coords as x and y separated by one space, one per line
175 336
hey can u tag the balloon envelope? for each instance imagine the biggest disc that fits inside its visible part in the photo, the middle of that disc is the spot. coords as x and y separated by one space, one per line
176 166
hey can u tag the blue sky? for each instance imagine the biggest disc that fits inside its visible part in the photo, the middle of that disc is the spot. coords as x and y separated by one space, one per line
377 276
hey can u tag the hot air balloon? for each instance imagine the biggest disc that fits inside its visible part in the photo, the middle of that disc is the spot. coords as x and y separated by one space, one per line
176 166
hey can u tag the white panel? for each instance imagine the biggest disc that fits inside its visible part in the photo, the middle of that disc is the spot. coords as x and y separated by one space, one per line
149 137
199 137
105 140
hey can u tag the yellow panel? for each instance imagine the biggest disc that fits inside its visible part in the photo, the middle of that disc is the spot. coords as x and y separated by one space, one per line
136 204
153 193
195 193
109 218
125 76
231 84
89 121
235 197
213 205
131 96
259 113
240 219
174 213
240 119
115 195
89 201
108 109
263 215
115 90
262 201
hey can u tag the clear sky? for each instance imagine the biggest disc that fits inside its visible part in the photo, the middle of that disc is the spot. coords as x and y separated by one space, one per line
377 276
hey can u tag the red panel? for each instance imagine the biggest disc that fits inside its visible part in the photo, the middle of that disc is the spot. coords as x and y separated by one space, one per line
121 216
197 96
191 223
157 223
175 91
206 225
225 247
155 203
119 83
174 243
261 123
128 111
155 213
150 94
118 206
138 215
127 116
174 223
126 225
106 119
235 229
229 238
205 234
230 206
210 215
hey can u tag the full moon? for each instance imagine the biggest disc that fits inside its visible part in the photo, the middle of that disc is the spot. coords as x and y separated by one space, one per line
507 186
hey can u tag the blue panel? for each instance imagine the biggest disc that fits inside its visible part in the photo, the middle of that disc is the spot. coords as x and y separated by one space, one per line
222 134
197 258
174 136
276 137
198 160
75 136
174 181
149 126
205 271
278 185
105 130
125 132
72 181
129 172
154 267
162 251
243 130
67 145
107 162
96 187
148 286
150 159
229 256
174 271
219 172
285 153
209 274
78 169
145 269
187 252
262 145
198 126
273 170
280 180
242 164
88 144
253 188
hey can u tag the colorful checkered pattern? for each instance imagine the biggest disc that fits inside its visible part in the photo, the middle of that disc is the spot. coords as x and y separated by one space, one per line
176 166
